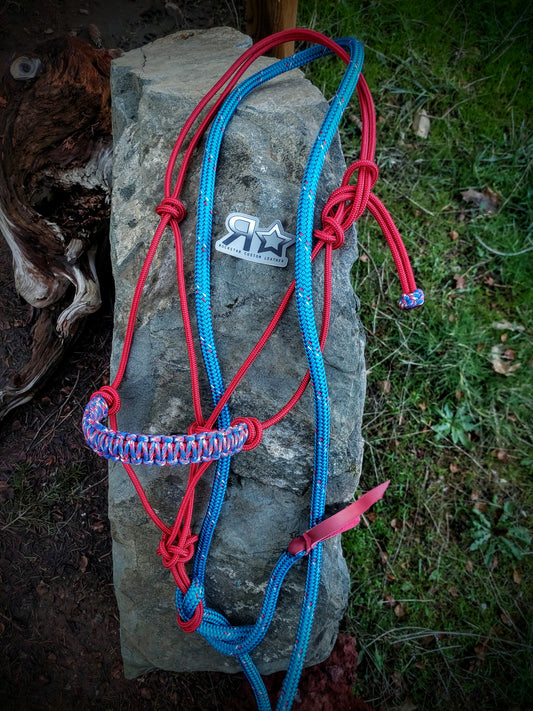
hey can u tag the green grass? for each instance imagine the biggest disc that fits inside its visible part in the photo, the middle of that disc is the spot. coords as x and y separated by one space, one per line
441 576
41 506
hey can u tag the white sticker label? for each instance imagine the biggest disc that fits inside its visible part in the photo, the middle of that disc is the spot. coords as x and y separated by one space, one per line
246 240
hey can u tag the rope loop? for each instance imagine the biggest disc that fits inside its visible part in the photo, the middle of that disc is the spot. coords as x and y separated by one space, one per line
363 165
111 397
194 622
255 431
173 207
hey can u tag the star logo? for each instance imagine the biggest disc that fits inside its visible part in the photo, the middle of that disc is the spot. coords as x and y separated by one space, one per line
244 239
274 239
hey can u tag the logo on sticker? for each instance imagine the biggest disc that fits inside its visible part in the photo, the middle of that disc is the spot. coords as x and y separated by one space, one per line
246 240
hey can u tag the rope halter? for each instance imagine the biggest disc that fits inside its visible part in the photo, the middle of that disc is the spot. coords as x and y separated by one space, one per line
218 437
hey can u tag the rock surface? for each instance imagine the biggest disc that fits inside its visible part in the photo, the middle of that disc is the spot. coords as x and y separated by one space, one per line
264 151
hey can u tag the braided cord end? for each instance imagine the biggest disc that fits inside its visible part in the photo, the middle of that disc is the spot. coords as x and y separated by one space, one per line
412 300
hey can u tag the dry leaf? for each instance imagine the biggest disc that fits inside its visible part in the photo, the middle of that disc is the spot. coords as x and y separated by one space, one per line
421 124
469 566
363 257
505 617
384 386
459 281
501 454
42 588
507 326
400 610
95 35
453 468
488 201
481 649
517 576
502 361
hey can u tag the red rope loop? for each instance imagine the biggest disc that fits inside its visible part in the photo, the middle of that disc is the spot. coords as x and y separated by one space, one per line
255 431
111 396
172 554
173 207
363 165
192 625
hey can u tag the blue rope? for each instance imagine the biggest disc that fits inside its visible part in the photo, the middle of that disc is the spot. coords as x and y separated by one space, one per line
239 641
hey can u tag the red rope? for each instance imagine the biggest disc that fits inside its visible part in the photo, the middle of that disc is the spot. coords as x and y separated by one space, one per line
345 205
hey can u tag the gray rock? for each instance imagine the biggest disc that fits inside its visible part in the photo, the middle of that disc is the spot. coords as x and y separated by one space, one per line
263 157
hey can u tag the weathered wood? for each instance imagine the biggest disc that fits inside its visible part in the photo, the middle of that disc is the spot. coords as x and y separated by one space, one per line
55 123
264 17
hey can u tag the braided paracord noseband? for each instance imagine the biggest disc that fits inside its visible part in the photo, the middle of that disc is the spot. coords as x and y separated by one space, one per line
206 443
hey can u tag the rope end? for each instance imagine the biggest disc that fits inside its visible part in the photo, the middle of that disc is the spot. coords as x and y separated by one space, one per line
412 300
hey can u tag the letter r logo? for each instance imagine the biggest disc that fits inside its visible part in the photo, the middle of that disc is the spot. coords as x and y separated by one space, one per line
240 226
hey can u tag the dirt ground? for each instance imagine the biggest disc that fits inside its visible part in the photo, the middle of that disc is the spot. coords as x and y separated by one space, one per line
59 633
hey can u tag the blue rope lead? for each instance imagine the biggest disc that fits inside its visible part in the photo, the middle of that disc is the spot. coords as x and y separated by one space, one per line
233 640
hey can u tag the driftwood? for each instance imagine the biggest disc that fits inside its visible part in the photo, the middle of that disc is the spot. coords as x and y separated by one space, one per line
55 168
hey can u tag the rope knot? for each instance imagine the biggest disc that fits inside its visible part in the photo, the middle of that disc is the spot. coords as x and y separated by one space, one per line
172 553
255 431
173 207
111 396
196 428
347 203
332 231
